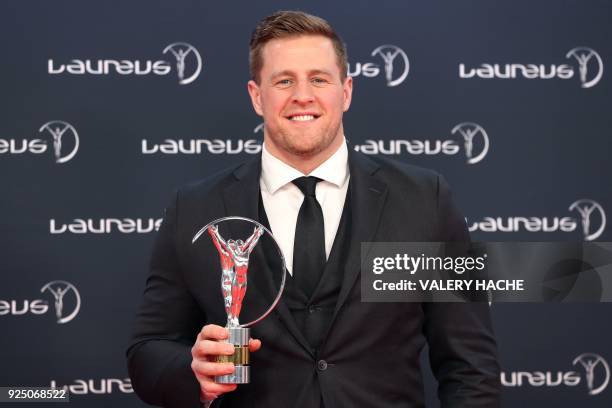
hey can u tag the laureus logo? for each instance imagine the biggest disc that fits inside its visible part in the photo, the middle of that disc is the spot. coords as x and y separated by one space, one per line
395 65
59 290
585 208
588 76
596 369
60 131
62 135
389 53
82 386
592 221
469 131
211 146
181 52
474 138
105 226
589 72
188 63
592 364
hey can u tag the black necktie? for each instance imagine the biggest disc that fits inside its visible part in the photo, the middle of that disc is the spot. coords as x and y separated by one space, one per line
309 244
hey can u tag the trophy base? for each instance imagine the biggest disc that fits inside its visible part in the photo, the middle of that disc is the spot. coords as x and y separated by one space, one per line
239 338
241 375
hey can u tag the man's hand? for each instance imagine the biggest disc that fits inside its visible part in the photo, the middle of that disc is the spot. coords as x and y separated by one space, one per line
204 351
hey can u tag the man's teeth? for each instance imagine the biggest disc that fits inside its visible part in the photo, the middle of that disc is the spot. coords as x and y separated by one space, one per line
302 118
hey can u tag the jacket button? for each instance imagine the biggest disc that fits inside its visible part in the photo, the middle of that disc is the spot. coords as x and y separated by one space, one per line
322 365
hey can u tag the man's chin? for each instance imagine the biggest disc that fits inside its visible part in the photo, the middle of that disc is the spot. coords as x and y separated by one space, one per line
305 151
304 145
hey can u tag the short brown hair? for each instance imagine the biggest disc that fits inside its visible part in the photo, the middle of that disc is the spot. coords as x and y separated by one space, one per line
284 24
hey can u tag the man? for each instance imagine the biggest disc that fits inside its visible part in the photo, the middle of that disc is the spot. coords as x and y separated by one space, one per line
322 346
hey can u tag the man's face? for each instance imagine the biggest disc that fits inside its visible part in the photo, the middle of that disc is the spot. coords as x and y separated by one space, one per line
301 96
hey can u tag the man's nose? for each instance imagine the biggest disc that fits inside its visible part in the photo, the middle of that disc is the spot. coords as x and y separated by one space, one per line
303 93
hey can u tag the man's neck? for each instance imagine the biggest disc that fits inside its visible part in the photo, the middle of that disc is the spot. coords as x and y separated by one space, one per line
306 164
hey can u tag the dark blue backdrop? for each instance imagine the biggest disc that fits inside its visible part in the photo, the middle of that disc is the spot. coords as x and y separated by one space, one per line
527 81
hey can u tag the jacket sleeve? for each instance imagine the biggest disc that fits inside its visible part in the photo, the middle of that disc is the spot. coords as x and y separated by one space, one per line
462 346
167 323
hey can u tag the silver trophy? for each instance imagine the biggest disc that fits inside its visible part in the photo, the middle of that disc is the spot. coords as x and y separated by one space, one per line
234 256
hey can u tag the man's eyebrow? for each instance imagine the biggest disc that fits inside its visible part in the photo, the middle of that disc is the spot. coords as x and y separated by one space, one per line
319 72
291 73
281 73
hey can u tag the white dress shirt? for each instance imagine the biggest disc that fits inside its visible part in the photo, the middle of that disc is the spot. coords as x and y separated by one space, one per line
282 199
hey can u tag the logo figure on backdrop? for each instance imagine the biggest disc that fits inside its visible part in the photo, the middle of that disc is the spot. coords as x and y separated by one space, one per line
234 265
585 208
596 375
583 55
389 53
469 130
589 69
181 50
590 361
585 223
57 129
59 289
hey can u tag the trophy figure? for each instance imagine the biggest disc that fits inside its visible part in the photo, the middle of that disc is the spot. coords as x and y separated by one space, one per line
234 257
234 265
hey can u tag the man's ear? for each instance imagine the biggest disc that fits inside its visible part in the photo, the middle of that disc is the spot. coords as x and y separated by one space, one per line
347 89
255 94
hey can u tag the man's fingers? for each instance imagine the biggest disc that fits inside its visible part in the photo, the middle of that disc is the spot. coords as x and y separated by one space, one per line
210 369
211 387
208 349
204 351
205 371
254 345
213 332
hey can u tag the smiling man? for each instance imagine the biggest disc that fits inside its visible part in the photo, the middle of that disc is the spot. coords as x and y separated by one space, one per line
322 347
301 91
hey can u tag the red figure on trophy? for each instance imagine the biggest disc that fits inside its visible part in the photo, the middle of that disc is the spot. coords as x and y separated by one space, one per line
234 264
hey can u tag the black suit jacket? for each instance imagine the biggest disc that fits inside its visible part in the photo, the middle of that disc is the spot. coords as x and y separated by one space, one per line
370 355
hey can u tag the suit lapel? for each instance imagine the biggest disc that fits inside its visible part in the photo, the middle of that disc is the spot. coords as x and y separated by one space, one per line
241 198
367 194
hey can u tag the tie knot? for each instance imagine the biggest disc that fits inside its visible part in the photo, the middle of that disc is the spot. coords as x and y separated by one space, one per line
307 185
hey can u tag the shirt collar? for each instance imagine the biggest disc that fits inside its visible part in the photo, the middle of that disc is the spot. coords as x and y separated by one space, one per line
275 173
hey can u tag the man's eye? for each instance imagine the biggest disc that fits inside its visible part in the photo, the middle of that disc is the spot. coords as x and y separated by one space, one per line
284 82
319 80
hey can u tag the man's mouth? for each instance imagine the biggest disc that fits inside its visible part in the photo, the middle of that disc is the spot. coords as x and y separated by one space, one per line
303 117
